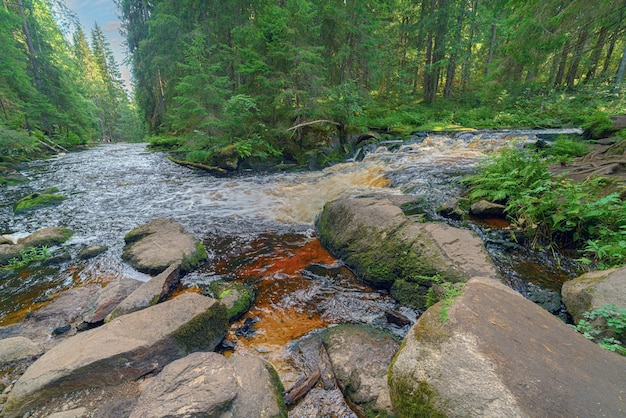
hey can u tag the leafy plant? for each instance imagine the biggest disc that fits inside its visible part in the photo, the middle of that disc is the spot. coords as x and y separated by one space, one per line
27 256
605 326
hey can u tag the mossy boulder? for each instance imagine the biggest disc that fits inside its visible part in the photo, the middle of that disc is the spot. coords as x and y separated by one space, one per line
389 251
38 200
237 297
594 290
227 158
153 247
491 352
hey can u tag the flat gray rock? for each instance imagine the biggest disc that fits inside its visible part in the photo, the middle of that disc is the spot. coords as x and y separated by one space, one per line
153 247
149 293
122 350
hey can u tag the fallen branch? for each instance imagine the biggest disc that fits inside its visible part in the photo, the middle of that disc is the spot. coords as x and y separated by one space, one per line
301 387
293 128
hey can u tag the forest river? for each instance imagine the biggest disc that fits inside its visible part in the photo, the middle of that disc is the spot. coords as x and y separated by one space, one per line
257 227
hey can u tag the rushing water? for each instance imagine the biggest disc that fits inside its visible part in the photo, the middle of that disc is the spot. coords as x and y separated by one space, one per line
257 227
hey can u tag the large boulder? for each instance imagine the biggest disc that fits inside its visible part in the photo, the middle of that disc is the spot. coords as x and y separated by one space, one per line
149 293
387 250
491 352
124 349
594 290
360 356
210 385
153 247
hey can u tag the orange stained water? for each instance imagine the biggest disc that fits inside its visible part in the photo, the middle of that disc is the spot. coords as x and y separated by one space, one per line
284 306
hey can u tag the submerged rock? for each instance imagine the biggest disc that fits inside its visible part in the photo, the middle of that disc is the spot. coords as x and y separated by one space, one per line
386 250
153 247
91 251
122 350
491 352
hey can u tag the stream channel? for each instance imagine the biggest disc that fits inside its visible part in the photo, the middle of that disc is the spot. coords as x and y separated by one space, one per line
258 228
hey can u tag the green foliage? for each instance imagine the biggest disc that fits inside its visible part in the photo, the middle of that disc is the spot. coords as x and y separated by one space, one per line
565 149
27 256
553 208
605 326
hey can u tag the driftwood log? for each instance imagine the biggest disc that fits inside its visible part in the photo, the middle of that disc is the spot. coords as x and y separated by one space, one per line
301 387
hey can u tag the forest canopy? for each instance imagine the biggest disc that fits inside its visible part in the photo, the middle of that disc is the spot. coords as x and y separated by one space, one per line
243 69
57 83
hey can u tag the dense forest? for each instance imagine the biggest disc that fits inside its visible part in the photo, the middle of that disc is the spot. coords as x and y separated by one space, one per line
243 72
287 78
57 84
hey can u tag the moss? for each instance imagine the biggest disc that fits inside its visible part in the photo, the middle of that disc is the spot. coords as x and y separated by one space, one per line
279 389
205 331
412 402
192 260
38 200
236 295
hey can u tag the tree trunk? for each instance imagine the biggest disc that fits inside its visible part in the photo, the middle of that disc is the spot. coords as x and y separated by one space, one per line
609 53
558 79
467 62
451 71
31 48
597 51
619 78
578 53
492 47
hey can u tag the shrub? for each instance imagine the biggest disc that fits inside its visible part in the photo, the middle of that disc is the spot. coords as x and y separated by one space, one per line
605 326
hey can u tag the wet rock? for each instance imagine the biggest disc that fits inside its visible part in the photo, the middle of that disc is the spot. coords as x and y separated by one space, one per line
208 384
106 299
18 348
62 310
548 299
125 349
247 329
237 297
450 209
91 251
62 329
360 356
153 247
484 209
494 353
309 355
594 290
149 293
386 250
394 317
